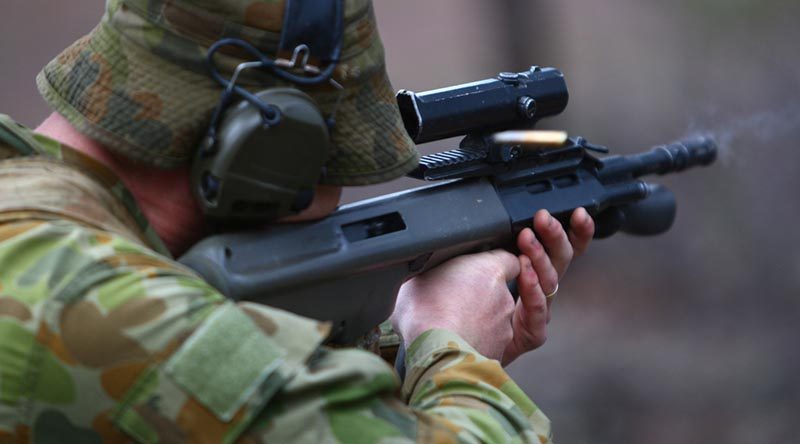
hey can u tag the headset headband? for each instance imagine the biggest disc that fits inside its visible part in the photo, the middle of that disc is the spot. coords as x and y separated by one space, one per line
317 24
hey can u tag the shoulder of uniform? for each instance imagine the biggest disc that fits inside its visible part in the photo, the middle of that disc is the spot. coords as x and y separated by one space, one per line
18 140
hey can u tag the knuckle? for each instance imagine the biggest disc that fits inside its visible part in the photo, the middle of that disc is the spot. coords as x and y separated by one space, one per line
563 237
539 307
569 253
509 306
589 224
496 274
540 339
539 252
505 307
553 281
535 339
508 335
530 284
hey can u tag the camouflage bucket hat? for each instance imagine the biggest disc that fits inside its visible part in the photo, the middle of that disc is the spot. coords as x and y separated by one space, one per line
138 83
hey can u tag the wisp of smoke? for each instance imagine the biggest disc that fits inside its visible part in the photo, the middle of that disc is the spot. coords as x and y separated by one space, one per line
759 129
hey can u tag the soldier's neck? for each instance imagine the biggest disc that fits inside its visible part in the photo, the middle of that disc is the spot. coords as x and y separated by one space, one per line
164 196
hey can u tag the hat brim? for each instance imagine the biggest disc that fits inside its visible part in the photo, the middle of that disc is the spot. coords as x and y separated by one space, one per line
151 108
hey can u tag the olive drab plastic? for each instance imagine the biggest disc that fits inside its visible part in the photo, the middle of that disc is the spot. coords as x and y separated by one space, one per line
264 153
257 172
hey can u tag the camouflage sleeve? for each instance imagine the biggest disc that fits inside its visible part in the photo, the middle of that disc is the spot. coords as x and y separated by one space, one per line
447 378
102 340
349 396
444 369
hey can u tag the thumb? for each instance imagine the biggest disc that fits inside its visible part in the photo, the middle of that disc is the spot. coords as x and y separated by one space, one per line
509 264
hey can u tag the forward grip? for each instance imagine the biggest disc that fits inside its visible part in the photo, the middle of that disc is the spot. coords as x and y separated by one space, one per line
652 215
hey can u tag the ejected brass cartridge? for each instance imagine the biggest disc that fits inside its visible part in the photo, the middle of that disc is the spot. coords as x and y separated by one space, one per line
532 139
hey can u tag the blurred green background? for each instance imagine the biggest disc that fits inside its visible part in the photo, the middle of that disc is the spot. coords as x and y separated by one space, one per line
688 337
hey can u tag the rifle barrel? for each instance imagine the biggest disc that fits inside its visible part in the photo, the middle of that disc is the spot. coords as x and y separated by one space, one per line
663 159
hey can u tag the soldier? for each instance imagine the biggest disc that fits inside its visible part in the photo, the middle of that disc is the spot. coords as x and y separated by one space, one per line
104 338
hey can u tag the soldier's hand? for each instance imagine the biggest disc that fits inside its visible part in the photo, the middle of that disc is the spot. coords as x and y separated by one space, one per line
543 263
467 295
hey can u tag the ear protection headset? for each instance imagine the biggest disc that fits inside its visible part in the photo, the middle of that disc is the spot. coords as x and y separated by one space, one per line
263 155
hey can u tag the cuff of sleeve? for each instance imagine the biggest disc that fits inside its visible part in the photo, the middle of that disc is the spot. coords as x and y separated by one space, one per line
428 349
429 346
445 372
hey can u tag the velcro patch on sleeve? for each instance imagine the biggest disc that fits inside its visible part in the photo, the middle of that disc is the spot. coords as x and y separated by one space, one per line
225 362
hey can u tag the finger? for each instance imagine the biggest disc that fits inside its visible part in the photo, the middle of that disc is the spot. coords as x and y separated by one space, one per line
581 230
554 239
535 251
531 315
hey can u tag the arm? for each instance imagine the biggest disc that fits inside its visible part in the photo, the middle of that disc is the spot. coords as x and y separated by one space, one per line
453 384
130 323
108 339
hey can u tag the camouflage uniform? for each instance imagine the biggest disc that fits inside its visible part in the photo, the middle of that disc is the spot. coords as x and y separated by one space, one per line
103 338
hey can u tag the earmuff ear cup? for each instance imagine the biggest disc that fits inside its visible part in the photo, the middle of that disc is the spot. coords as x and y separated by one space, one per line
257 173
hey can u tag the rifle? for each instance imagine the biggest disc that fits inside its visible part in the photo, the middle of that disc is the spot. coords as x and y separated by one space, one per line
348 267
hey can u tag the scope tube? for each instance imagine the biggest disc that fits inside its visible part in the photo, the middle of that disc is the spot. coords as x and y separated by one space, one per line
508 101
